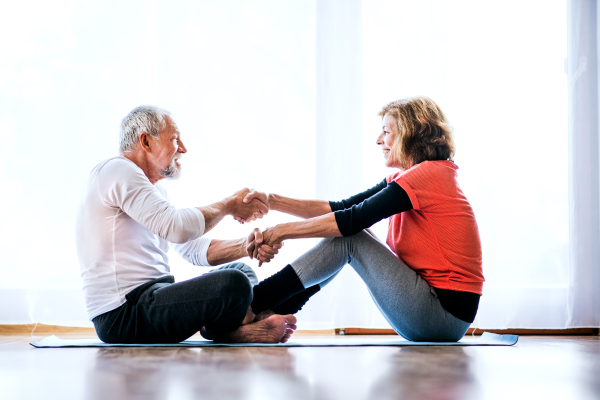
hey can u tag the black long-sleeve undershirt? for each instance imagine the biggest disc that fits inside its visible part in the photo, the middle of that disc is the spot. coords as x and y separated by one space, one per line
365 209
383 200
357 198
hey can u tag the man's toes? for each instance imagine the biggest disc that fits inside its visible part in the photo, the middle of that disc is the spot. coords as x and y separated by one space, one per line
292 326
290 319
285 338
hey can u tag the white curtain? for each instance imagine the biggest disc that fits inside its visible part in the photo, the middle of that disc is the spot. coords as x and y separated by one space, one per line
238 77
283 96
584 167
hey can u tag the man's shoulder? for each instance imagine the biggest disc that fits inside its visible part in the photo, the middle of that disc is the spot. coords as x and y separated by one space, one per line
114 162
116 165
116 169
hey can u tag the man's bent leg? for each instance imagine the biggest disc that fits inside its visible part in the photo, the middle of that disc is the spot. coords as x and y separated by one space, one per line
244 268
170 313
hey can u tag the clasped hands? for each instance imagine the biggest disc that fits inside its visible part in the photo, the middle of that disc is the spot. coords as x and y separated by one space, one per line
254 205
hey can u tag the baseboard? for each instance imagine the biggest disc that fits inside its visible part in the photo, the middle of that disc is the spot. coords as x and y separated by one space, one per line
40 329
475 331
570 331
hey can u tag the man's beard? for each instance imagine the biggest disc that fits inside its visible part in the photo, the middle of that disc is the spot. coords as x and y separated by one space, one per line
172 171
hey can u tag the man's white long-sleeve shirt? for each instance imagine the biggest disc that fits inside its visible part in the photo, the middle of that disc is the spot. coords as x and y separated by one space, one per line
123 227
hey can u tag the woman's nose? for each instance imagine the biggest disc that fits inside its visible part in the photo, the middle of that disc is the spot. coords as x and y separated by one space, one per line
380 138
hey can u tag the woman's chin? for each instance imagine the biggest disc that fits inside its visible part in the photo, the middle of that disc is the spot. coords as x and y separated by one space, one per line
390 163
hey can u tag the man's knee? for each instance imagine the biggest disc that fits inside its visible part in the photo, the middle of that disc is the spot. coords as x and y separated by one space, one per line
234 282
246 270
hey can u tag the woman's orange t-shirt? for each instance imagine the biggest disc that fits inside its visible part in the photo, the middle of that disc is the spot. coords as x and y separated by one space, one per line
439 237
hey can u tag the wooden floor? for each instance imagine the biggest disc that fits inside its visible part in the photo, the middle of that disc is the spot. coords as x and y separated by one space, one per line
537 367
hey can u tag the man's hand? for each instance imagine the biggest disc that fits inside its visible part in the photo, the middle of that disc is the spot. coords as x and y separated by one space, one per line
262 196
246 211
256 249
253 194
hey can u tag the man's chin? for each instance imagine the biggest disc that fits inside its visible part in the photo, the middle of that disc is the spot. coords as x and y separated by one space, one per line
171 173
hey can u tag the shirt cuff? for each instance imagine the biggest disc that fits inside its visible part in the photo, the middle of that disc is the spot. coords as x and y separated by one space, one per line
411 194
203 251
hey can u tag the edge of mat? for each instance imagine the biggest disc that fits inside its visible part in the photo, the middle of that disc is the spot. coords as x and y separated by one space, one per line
500 340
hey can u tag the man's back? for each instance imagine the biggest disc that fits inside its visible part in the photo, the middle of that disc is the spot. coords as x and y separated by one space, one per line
123 224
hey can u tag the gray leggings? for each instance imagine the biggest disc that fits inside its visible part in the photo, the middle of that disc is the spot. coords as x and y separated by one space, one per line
402 296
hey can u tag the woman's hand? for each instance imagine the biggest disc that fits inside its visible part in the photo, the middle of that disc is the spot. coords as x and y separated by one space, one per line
251 195
256 248
271 236
244 210
262 196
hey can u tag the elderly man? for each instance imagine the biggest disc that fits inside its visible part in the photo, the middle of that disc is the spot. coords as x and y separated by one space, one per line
124 226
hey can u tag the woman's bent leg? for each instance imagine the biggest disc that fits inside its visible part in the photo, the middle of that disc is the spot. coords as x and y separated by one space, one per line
404 298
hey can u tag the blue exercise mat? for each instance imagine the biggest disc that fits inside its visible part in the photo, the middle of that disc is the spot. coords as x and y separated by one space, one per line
486 339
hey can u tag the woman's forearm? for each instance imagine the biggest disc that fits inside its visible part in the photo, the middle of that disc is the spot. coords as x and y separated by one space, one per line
318 227
299 208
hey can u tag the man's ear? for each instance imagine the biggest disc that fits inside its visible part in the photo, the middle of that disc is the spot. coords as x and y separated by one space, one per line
145 142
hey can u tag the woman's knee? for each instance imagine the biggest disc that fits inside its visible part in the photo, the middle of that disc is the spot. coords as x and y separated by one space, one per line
359 237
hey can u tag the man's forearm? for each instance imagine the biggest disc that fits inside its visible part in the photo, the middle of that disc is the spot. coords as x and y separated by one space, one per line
299 208
214 213
224 251
233 205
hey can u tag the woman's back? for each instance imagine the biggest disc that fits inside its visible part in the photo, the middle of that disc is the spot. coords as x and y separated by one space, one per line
439 237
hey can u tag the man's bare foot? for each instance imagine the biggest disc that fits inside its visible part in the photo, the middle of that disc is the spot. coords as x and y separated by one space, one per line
263 315
250 316
273 329
287 335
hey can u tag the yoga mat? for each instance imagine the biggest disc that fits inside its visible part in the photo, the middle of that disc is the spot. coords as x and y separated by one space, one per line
486 339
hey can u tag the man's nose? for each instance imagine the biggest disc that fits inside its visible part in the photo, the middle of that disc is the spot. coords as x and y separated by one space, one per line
181 148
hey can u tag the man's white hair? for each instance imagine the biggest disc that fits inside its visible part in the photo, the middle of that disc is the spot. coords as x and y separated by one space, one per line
149 119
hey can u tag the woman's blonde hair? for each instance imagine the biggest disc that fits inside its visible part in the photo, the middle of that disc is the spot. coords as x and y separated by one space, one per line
424 131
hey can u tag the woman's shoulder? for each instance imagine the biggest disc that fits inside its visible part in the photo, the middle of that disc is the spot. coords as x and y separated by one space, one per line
393 177
438 165
432 169
426 172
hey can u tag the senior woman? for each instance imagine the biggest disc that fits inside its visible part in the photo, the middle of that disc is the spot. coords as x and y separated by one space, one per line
428 287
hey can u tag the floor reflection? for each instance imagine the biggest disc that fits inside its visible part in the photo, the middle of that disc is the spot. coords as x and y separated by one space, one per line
189 373
420 373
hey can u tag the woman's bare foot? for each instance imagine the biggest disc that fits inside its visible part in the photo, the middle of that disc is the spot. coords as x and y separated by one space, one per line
273 329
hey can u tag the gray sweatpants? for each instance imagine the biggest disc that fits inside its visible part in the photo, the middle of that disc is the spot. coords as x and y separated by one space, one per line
403 297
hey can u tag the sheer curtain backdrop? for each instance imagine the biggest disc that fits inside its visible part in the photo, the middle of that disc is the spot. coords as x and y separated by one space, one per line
583 307
283 96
